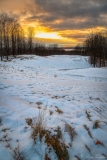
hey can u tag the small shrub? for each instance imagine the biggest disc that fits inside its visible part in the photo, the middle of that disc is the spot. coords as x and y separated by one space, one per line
38 125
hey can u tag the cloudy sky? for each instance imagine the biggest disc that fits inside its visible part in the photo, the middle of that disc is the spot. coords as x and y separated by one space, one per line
65 22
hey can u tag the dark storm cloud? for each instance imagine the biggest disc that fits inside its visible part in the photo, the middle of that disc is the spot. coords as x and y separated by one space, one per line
73 8
59 15
42 18
69 11
73 25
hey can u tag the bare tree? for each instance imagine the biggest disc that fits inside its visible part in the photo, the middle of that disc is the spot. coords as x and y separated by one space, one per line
1 37
95 46
30 33
13 40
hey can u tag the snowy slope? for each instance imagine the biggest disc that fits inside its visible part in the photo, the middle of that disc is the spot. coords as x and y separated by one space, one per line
29 84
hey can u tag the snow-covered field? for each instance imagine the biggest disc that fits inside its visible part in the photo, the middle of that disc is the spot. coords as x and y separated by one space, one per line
67 91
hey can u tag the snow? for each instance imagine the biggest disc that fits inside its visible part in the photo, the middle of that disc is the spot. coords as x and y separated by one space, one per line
29 84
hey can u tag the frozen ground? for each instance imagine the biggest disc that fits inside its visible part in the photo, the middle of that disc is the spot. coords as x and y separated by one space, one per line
68 90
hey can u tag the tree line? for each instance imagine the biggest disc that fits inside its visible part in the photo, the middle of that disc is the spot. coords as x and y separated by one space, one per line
15 41
94 46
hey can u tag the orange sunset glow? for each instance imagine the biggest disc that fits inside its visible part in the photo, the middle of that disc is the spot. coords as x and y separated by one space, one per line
64 22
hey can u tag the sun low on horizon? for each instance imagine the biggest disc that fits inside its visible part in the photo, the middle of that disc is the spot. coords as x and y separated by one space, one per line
63 22
52 35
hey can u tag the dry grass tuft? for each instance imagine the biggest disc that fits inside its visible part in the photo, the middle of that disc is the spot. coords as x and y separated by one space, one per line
51 112
59 133
88 148
88 115
46 157
38 126
6 141
89 133
58 110
71 131
39 103
17 154
77 158
0 121
96 124
39 107
60 148
29 122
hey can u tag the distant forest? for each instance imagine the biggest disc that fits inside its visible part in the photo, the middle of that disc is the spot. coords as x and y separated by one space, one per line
94 46
14 40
